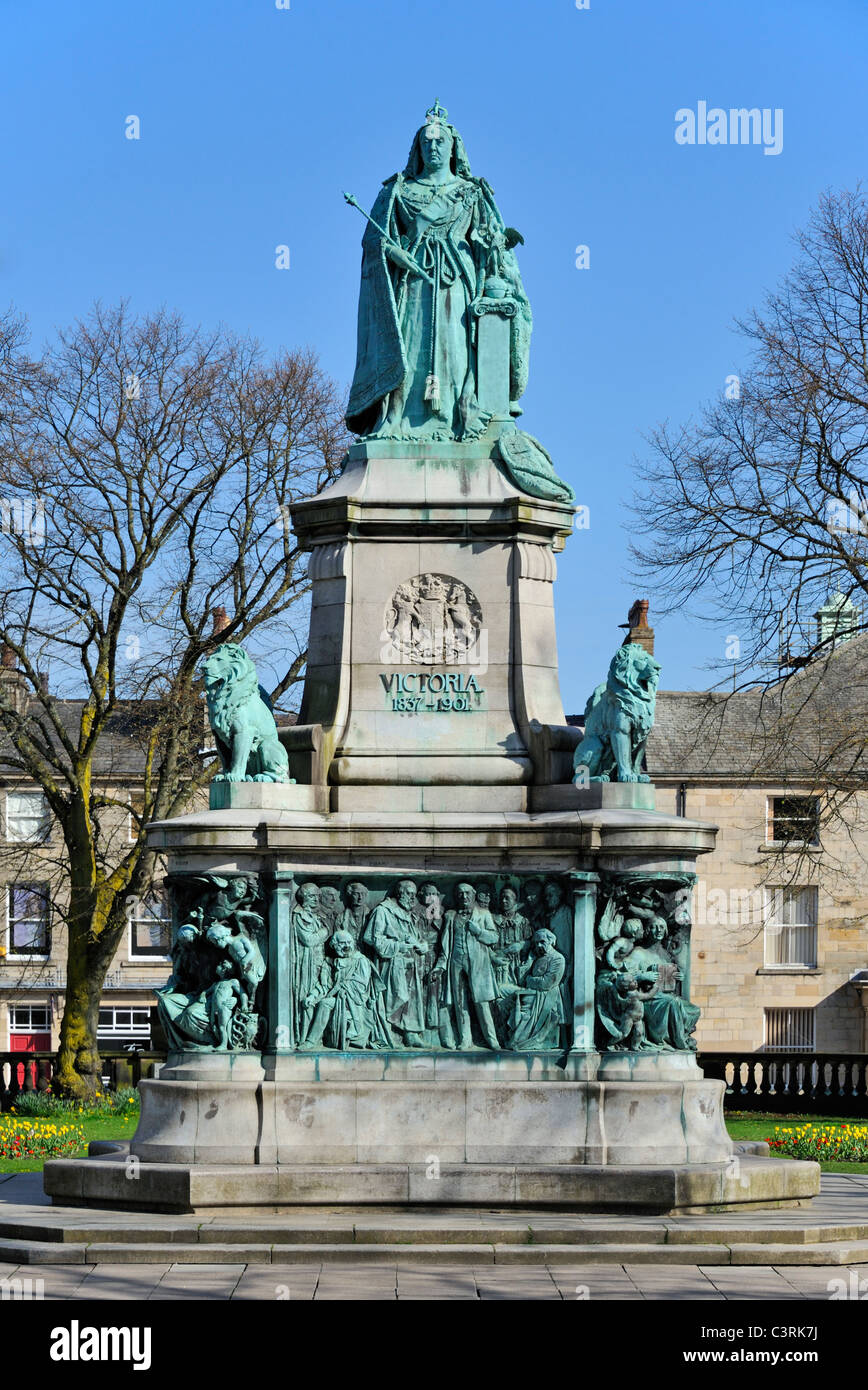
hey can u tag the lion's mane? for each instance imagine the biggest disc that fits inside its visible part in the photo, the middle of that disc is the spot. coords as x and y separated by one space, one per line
630 668
238 686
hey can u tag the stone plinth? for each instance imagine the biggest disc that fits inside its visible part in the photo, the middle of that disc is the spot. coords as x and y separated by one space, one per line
212 1189
599 796
453 1109
266 796
411 688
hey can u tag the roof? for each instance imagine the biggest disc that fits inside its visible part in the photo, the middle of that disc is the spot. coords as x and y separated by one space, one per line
817 718
120 751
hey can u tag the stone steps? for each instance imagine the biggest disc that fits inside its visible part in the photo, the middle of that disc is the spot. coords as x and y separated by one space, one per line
567 1256
485 1233
450 1246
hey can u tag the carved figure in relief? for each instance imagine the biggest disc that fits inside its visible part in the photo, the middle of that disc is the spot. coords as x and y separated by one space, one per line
432 618
484 893
513 935
356 910
403 617
218 959
532 905
641 979
538 1011
416 974
559 920
331 907
669 1019
463 628
342 1000
310 935
465 959
621 1010
393 936
244 954
438 1024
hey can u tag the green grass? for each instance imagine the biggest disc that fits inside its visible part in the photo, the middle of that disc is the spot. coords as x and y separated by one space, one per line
95 1127
749 1124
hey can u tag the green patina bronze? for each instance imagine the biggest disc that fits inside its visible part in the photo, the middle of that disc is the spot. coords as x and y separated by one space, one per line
241 720
212 1000
618 719
442 965
444 321
643 965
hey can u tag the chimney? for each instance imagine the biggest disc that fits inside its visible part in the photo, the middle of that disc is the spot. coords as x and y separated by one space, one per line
219 621
637 626
42 681
13 683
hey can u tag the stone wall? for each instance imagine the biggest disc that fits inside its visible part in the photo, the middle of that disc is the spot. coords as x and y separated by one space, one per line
729 979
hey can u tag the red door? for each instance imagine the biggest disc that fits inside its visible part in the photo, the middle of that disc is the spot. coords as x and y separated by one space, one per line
29 1042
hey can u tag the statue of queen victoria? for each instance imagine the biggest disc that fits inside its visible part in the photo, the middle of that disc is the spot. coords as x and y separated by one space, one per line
435 254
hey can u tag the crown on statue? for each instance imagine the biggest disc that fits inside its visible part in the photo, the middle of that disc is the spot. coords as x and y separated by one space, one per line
436 114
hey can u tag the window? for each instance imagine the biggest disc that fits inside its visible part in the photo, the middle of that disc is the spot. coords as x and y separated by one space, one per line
29 1028
794 820
150 927
27 906
26 817
789 1030
121 1026
29 1018
791 928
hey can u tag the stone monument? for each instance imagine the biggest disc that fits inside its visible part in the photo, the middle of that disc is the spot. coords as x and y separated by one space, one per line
432 945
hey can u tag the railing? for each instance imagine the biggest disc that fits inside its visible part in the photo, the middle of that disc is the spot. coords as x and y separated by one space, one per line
792 1083
34 1071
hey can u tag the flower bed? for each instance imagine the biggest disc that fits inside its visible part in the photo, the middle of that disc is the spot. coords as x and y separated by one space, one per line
821 1142
29 1139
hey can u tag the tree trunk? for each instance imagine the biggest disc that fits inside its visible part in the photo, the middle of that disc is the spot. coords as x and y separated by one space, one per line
78 1065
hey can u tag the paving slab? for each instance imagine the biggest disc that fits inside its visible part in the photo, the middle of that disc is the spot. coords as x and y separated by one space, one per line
278 1283
198 1281
577 1283
358 1282
663 1282
127 1283
517 1288
436 1284
762 1284
61 1281
818 1276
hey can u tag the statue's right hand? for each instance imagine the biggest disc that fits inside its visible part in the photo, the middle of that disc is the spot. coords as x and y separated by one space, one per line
400 257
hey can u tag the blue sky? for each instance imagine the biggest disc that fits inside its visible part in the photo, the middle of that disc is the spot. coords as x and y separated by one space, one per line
254 118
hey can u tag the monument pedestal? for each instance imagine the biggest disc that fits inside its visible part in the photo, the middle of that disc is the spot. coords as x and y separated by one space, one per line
567 1127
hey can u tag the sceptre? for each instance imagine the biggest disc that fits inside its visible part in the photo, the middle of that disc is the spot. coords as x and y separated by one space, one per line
391 240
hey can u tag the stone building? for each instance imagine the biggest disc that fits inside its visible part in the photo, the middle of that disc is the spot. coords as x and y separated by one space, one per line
33 935
780 938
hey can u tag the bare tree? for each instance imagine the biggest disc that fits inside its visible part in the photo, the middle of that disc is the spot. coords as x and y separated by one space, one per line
758 512
158 463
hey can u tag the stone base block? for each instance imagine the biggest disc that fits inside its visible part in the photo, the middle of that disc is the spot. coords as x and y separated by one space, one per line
266 796
261 1190
471 1114
455 798
599 796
